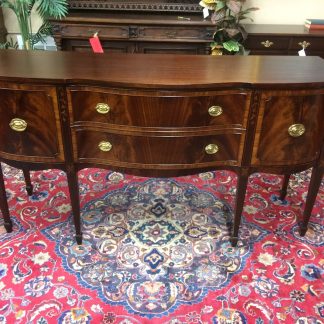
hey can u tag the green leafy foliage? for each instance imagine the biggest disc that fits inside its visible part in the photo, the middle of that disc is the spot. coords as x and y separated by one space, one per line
230 34
45 8
10 44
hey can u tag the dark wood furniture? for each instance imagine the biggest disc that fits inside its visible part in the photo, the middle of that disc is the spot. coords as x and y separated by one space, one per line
3 31
283 40
182 115
134 33
177 29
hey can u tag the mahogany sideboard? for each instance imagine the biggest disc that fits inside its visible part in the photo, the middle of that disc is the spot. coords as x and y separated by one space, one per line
160 116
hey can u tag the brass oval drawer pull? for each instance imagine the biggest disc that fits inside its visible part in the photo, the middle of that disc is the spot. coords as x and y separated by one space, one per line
105 146
304 44
296 130
18 125
215 111
267 43
211 149
102 108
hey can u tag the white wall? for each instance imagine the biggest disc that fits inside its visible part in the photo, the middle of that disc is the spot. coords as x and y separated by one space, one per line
10 21
285 12
271 12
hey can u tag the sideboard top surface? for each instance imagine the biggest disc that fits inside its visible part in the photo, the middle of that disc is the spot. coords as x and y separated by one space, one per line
161 70
292 30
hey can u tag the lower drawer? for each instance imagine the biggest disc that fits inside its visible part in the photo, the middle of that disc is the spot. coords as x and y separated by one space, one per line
159 151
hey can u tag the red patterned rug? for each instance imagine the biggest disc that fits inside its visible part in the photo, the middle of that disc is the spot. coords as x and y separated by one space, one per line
157 251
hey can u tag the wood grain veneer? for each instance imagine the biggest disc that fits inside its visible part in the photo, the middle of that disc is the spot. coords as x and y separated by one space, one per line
159 121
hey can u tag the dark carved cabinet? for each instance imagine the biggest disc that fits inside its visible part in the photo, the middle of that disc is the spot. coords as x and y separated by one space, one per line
134 33
129 26
180 117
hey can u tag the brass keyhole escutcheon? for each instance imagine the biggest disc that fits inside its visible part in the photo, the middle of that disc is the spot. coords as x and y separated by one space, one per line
296 130
102 108
18 125
105 146
215 111
211 149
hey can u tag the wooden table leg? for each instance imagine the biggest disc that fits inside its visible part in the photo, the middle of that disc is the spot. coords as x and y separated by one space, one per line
4 204
315 182
283 191
242 181
29 186
72 177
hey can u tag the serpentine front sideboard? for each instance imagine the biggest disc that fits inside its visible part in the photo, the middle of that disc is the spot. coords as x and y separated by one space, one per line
161 115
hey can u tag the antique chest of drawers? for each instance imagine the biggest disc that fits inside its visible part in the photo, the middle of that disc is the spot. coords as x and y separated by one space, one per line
160 116
283 40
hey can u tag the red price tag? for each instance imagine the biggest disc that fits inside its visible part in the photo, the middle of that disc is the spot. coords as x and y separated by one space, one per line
95 44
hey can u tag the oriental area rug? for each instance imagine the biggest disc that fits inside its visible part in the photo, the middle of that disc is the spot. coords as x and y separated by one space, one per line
158 251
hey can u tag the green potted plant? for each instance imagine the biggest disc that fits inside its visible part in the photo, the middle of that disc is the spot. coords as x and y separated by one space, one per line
45 8
227 16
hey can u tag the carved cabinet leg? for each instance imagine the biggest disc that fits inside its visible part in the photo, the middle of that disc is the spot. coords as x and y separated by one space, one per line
313 188
4 204
242 181
29 186
72 177
283 191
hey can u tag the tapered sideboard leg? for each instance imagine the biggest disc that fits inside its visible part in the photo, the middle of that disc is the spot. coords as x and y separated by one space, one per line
313 188
29 186
240 196
4 204
283 191
72 177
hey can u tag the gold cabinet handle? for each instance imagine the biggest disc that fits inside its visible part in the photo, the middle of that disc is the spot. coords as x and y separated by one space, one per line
105 146
102 108
215 111
304 44
296 130
267 43
18 125
211 149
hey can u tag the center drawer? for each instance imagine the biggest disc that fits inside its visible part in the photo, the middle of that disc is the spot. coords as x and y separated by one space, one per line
134 150
152 109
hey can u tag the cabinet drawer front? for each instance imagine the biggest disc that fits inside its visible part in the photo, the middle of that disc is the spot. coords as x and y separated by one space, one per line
111 32
290 129
267 43
29 125
158 151
187 33
160 111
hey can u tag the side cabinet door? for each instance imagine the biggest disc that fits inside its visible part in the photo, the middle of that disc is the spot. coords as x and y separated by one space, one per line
29 126
290 128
